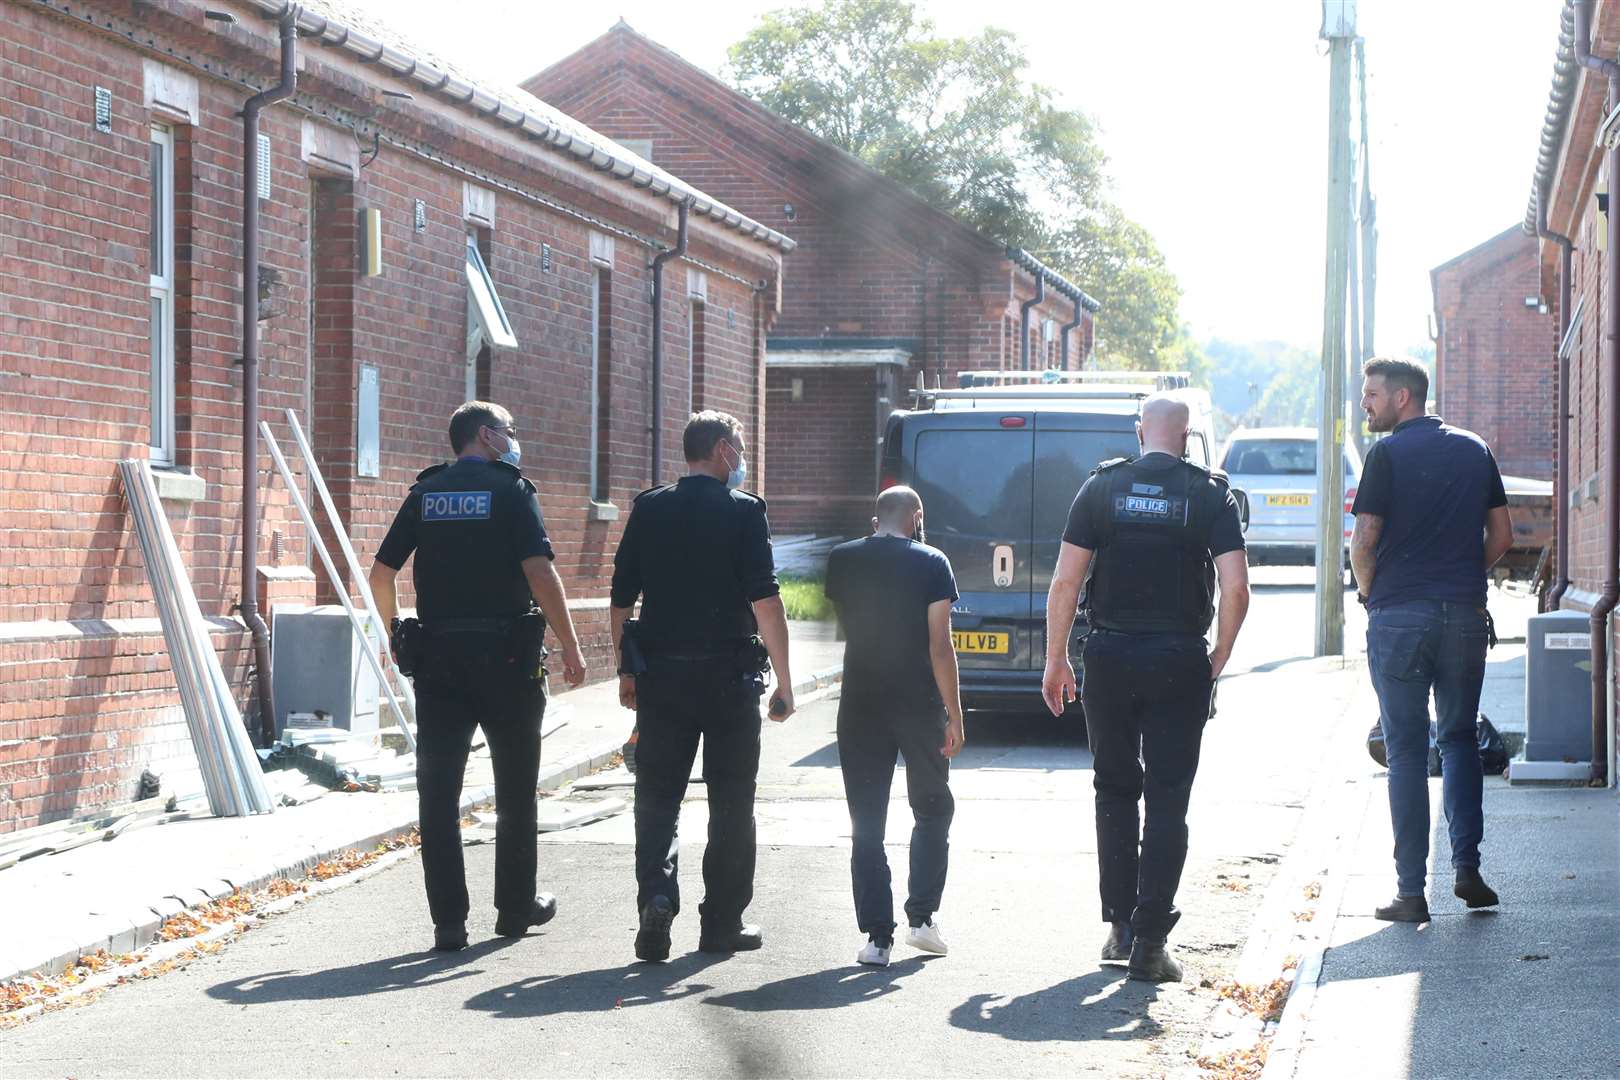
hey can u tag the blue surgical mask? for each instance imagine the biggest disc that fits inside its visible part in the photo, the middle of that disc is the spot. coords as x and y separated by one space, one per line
514 453
739 475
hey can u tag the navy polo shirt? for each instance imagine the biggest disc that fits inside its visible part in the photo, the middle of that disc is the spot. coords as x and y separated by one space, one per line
1434 485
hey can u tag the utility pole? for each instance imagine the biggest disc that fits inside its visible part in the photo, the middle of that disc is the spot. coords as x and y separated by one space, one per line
1369 247
1339 28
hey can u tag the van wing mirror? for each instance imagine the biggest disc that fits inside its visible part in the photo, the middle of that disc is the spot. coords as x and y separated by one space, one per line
1242 498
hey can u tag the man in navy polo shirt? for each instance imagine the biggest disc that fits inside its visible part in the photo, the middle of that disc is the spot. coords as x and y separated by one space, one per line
1431 520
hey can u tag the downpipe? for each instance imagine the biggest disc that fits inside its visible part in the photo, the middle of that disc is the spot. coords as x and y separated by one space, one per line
250 365
1023 318
658 343
1561 582
1068 328
1611 432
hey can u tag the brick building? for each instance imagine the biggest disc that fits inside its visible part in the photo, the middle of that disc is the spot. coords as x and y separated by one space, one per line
1577 260
515 247
884 287
1490 369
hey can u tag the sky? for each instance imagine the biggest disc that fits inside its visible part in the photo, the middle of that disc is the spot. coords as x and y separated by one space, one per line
1214 117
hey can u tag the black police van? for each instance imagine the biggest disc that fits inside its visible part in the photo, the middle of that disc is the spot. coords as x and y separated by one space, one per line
998 461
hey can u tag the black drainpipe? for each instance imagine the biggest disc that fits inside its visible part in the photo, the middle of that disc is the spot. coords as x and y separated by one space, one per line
1068 327
1561 479
250 364
1023 317
1611 431
658 344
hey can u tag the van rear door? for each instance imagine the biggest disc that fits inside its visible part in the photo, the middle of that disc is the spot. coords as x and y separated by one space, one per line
973 472
1067 448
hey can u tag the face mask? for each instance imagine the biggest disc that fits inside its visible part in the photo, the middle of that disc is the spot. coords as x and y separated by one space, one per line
513 454
737 476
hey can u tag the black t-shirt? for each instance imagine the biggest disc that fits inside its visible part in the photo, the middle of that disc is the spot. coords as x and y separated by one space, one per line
1433 485
1090 513
698 555
882 586
471 525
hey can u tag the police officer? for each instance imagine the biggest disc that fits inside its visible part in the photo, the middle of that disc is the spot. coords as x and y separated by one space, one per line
697 553
483 561
1153 533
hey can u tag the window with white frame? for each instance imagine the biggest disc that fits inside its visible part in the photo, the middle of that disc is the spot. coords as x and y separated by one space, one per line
601 385
487 323
161 293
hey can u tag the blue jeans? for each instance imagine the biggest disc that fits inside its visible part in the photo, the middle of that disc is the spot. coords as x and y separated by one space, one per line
1414 647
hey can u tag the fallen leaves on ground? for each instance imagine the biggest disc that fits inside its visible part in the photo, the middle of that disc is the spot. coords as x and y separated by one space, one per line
1304 916
28 991
1313 891
1245 1064
1266 1001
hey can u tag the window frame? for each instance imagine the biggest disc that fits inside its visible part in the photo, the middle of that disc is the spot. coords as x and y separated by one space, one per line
161 442
484 302
600 432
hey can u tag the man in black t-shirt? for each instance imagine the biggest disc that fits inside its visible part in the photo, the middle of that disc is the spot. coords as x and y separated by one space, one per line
1431 520
1147 538
483 562
900 695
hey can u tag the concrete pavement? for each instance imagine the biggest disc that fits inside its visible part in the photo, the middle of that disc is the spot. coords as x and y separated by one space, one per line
1525 990
115 895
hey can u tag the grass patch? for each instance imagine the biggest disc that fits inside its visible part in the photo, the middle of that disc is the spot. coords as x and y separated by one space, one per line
805 598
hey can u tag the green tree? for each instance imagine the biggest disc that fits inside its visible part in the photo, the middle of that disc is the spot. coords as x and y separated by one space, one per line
958 121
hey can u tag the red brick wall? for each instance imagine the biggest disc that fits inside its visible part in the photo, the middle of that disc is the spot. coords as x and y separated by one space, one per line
824 450
873 261
1492 372
86 694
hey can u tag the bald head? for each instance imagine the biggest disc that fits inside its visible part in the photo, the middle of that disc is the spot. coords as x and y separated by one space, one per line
897 510
1163 427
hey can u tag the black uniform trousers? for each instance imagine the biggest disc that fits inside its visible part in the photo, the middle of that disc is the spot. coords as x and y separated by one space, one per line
467 680
1146 698
676 702
870 733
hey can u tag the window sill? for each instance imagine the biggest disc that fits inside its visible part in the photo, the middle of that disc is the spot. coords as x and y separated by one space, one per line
178 485
602 511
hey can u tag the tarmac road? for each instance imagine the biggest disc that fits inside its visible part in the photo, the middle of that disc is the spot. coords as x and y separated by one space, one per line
343 986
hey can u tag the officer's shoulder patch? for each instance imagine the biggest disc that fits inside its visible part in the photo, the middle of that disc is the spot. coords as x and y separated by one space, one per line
1111 463
430 471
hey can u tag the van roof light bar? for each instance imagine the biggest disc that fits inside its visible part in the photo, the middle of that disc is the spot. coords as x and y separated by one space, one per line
1159 380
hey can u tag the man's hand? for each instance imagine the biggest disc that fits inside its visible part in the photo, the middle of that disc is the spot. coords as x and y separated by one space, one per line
782 705
1058 685
1217 661
627 692
573 664
955 737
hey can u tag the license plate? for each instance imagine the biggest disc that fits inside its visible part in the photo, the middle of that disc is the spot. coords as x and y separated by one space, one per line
974 641
1288 500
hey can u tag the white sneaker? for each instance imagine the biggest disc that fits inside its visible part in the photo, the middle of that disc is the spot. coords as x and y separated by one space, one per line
927 938
874 955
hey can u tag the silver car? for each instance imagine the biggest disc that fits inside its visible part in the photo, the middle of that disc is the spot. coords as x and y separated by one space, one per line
1277 468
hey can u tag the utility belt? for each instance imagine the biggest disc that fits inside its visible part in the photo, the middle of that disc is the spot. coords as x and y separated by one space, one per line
748 657
414 641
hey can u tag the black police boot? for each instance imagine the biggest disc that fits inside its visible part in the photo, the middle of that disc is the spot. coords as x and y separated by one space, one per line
1117 949
741 938
1404 909
449 937
1472 890
652 940
516 924
1151 962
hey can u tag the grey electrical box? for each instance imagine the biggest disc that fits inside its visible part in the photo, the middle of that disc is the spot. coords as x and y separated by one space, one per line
1558 687
316 667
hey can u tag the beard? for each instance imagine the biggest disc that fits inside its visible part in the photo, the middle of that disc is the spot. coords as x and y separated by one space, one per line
1379 423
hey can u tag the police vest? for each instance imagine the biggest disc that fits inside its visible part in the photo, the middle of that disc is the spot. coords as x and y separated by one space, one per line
1153 572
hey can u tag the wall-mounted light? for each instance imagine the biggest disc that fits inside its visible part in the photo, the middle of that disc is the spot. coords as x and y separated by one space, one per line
1532 301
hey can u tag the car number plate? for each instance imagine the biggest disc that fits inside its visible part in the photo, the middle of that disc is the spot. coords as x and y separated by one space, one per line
1288 500
974 641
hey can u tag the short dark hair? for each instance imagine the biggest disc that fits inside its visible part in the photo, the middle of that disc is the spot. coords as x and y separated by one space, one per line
466 420
1401 374
705 431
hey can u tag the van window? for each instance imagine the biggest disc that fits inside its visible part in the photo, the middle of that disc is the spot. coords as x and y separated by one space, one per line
1272 457
973 482
1063 461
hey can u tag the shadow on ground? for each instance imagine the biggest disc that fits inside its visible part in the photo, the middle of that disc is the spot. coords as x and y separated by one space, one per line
408 971
600 990
1097 1006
